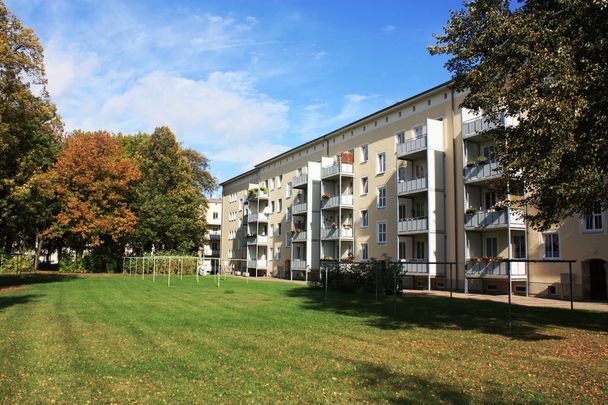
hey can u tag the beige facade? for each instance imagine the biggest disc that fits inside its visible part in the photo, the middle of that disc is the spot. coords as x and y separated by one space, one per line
212 251
415 182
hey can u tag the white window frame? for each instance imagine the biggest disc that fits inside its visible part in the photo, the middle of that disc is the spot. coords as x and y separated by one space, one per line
287 240
364 224
289 190
593 219
381 163
271 184
279 181
364 252
553 235
364 153
364 187
381 235
378 198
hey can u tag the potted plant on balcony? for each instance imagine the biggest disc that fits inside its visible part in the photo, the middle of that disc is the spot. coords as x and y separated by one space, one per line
481 160
326 196
346 157
474 260
264 190
471 163
500 206
252 193
470 211
347 226
334 226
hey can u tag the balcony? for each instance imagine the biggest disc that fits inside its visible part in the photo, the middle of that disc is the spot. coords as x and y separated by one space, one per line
492 219
337 169
495 269
257 264
301 208
257 240
411 148
257 194
413 225
475 126
412 186
337 201
335 234
298 264
417 268
214 236
299 237
300 181
258 217
480 173
211 252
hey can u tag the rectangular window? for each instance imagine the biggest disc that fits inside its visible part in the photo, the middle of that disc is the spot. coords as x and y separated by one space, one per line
402 250
215 215
271 184
490 199
381 197
279 181
419 253
287 239
272 206
492 247
277 254
400 137
381 165
364 185
278 229
551 245
280 205
489 152
519 247
213 245
364 219
401 214
289 189
401 174
593 222
381 234
364 254
364 153
270 253
418 132
288 214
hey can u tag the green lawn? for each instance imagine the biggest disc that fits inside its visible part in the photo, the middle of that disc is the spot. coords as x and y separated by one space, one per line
122 339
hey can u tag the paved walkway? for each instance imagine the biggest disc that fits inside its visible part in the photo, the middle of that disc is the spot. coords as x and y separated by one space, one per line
516 299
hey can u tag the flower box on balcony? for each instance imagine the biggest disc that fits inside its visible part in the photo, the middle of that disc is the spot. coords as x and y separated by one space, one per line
326 196
470 211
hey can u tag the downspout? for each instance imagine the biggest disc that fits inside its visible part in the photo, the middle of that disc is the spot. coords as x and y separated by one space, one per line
455 173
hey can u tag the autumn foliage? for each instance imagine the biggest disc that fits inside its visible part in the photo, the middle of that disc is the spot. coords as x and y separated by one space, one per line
91 180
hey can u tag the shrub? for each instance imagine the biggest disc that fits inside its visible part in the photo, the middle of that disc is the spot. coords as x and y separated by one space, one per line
17 264
78 265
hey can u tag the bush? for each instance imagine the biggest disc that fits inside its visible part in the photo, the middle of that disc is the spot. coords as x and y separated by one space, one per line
17 264
78 265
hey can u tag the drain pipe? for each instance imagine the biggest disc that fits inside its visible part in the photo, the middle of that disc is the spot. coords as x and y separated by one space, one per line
455 174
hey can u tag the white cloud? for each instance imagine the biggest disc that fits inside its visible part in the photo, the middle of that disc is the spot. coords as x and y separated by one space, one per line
65 69
246 156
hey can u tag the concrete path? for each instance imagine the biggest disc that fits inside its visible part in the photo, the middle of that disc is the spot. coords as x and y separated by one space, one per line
516 299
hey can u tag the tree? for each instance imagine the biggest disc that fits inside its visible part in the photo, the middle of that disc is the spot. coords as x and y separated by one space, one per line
545 62
170 198
30 131
91 181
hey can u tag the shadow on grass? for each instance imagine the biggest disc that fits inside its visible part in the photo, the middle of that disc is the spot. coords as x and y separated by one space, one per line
9 301
405 312
11 281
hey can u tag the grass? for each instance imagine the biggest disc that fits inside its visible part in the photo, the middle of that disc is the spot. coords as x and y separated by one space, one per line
120 339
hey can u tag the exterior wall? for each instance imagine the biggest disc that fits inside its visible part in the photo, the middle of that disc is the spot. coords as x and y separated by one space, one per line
449 190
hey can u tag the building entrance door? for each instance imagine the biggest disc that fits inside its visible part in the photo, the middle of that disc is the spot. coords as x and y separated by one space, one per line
597 280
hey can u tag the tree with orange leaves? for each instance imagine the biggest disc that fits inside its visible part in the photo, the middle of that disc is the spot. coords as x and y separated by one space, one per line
91 181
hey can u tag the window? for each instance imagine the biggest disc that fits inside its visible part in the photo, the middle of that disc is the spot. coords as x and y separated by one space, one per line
213 245
289 189
401 174
271 184
381 200
492 247
418 132
419 253
490 199
272 206
401 254
288 214
364 153
364 254
280 205
551 241
401 213
420 209
270 253
230 254
519 247
381 167
593 222
489 152
279 181
287 240
215 215
364 219
277 254
364 185
381 235
400 137
278 229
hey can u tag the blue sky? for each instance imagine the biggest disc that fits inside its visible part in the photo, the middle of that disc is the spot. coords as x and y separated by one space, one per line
239 81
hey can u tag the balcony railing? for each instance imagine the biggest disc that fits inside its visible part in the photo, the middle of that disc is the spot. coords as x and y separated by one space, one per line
486 171
257 240
411 186
408 225
336 233
214 236
298 264
299 237
337 168
258 194
414 268
473 127
494 219
518 269
411 146
301 180
299 208
333 202
258 217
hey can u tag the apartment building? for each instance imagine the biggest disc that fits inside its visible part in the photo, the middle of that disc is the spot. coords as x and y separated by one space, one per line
211 251
416 182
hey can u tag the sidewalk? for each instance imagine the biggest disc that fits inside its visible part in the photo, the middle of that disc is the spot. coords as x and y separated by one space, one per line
515 299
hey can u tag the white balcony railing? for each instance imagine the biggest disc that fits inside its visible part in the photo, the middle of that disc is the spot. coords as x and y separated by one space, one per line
257 217
337 168
336 233
298 264
482 269
411 146
300 180
333 202
257 240
494 219
411 186
482 172
413 225
472 127
299 237
414 268
299 208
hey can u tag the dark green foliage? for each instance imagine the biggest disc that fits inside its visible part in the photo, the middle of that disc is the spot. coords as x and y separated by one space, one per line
380 276
545 62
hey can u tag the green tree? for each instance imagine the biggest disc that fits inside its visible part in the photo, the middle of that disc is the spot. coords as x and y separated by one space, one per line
546 62
169 199
30 131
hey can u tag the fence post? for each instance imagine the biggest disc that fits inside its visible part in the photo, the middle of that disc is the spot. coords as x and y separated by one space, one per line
570 275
